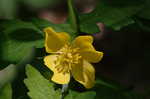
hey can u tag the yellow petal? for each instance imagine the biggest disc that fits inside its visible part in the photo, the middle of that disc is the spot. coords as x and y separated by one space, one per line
61 78
77 71
49 61
87 50
87 77
57 77
54 41
92 56
83 42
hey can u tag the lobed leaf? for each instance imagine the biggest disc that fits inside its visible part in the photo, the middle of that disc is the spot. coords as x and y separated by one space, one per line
83 95
39 87
6 92
112 14
17 38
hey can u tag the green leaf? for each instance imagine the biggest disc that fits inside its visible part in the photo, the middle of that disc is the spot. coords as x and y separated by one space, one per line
112 14
6 92
145 12
123 23
41 24
66 27
10 73
83 95
39 87
7 75
17 38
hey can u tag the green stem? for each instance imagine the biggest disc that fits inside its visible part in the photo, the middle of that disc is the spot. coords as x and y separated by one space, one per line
73 16
64 90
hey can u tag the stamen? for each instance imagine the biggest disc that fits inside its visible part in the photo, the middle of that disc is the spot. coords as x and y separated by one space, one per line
67 57
56 52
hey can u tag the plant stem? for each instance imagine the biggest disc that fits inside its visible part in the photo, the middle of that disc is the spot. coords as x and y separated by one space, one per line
73 16
64 90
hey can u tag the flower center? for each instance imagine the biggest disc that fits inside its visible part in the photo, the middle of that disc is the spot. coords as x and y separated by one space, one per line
67 58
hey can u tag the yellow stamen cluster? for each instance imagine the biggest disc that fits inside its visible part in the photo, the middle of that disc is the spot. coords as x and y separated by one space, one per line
68 57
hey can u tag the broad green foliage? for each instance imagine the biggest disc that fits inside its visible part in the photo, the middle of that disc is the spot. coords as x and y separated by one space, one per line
123 23
17 38
41 24
6 92
66 27
113 15
82 95
145 13
39 87
7 75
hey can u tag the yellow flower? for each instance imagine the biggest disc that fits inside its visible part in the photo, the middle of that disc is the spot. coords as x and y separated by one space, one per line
73 59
